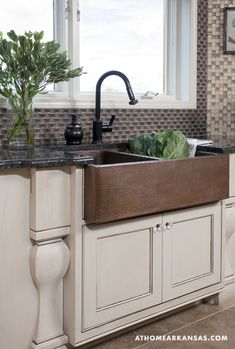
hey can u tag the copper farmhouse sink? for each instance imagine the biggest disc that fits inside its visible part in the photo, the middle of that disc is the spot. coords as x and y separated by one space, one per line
119 186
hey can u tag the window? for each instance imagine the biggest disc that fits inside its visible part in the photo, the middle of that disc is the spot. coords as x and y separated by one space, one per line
27 15
31 15
153 42
125 35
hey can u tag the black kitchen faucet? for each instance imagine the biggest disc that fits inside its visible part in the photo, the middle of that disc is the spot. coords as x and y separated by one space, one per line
98 126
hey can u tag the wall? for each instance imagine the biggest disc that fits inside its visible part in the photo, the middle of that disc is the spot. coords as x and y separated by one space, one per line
49 124
221 74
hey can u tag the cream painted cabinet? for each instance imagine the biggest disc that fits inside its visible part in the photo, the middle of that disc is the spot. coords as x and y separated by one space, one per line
49 258
191 250
18 296
229 240
124 272
229 206
121 269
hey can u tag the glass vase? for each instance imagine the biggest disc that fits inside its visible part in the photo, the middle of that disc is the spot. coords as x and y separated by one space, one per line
20 132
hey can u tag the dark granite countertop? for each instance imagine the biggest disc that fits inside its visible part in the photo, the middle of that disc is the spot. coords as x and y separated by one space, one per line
50 156
65 155
220 145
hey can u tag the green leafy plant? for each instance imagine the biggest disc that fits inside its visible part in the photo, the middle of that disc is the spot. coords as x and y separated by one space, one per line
27 66
166 144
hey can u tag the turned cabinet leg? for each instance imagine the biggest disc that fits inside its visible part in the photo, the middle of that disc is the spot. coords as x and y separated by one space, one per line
49 262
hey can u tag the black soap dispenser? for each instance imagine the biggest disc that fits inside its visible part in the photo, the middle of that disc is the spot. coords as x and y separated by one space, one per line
73 132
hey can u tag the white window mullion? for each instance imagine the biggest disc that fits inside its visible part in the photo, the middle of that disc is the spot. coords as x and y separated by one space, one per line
181 50
187 50
171 48
184 37
73 45
60 28
165 47
193 53
178 31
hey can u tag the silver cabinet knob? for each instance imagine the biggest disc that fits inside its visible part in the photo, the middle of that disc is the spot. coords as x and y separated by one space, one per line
158 227
168 226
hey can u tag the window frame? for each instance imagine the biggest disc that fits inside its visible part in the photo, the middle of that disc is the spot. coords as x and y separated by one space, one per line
67 95
174 30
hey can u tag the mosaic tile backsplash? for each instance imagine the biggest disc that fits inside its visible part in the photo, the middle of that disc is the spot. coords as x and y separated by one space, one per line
221 74
49 125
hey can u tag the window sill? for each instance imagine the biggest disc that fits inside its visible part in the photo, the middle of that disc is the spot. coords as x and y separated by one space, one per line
58 101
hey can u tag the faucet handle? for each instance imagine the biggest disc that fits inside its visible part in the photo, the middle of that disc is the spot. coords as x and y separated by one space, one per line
113 116
109 127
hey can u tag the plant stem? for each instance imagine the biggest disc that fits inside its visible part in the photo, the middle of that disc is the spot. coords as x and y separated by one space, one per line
29 135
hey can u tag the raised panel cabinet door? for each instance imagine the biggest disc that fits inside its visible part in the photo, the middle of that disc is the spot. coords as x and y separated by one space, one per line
121 269
191 250
229 240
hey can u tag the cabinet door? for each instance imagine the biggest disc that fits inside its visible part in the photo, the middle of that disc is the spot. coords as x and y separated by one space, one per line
121 269
230 240
191 250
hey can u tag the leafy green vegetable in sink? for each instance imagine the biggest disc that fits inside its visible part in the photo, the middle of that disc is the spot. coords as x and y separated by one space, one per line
166 144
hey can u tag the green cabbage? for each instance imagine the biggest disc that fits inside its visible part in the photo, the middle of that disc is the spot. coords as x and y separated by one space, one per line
166 144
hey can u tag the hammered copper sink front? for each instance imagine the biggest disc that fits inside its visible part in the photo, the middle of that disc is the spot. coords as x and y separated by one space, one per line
142 186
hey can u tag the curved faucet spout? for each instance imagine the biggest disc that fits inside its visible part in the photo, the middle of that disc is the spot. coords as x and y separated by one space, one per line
130 93
97 123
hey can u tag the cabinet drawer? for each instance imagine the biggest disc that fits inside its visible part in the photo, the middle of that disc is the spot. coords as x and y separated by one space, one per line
121 270
191 250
